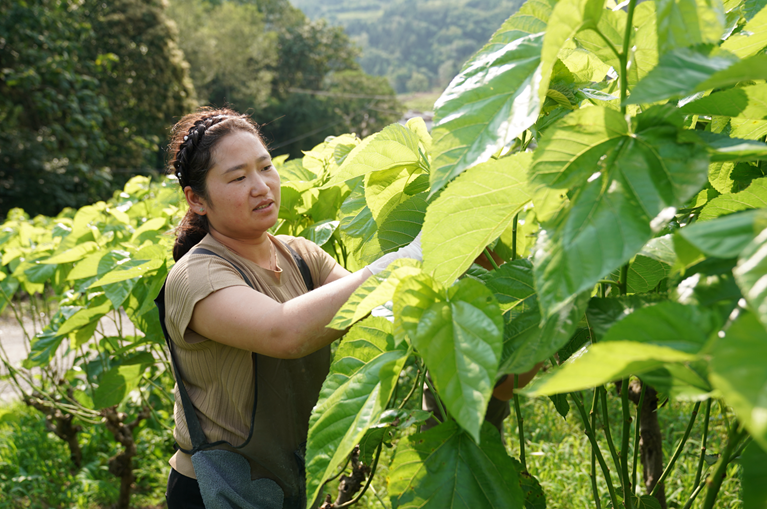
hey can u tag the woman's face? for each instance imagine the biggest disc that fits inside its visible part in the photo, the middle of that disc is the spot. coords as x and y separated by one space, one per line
243 188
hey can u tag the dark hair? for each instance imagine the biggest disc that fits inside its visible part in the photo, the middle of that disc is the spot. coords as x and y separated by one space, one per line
192 142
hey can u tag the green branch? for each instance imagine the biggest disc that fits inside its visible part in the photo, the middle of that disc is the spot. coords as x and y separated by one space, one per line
624 56
627 486
595 449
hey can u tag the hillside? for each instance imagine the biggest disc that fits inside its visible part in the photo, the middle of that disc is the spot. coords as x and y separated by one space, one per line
418 44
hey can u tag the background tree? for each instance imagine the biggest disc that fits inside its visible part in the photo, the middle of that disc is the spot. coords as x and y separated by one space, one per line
87 93
294 75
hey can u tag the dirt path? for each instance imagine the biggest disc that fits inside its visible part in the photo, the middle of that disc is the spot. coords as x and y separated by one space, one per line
16 345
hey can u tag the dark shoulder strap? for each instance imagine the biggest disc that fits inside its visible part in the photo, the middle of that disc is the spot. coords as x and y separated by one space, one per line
196 434
302 266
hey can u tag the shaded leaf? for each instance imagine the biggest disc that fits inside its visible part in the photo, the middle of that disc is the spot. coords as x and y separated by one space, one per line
320 232
444 468
726 236
402 224
512 284
751 275
115 384
737 370
754 489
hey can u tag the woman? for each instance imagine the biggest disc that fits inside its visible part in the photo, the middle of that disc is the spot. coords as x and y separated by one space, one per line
215 320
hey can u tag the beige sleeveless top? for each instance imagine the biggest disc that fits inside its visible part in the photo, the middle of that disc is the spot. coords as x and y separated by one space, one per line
220 379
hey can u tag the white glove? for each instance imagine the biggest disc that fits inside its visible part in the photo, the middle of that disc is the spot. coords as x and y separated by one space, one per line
412 250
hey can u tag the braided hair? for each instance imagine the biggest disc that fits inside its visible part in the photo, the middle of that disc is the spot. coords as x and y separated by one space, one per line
193 140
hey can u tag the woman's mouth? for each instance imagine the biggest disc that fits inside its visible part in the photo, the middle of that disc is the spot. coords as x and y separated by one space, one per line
264 206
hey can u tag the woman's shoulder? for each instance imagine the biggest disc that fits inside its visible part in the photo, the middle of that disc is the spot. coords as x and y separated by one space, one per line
205 258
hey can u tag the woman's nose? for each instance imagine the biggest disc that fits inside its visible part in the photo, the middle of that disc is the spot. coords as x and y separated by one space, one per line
258 185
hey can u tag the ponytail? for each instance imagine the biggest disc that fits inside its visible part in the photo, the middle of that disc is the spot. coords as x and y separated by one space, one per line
192 229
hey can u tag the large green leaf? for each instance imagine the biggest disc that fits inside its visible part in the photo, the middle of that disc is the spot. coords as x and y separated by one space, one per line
363 375
444 468
74 254
512 284
375 291
680 72
603 363
752 37
357 223
85 316
402 225
116 383
754 489
459 333
529 339
753 197
737 371
384 190
645 273
320 232
751 275
495 97
472 212
684 23
632 185
125 266
745 102
603 313
668 324
724 148
724 237
395 146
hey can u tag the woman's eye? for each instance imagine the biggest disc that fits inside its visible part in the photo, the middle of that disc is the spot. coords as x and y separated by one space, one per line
267 168
238 179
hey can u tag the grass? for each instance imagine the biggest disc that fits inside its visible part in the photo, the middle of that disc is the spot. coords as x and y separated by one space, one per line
35 471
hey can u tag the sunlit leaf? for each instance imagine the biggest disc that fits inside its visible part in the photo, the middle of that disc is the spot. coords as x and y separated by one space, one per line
75 254
459 333
752 37
724 237
362 378
472 212
629 190
496 96
753 197
603 363
683 23
375 291
320 232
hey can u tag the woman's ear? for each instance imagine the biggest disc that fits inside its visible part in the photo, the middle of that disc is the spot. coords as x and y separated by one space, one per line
196 202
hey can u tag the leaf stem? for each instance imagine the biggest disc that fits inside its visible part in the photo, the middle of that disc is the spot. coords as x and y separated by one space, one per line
608 42
636 437
702 458
623 285
624 56
412 390
514 237
594 489
678 450
606 429
610 282
490 258
627 486
520 425
715 481
595 448
442 411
